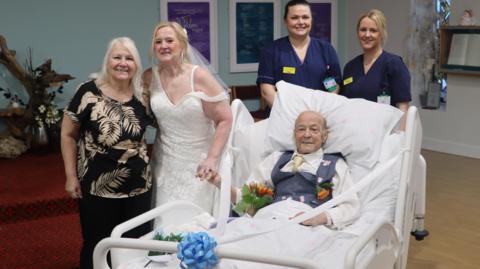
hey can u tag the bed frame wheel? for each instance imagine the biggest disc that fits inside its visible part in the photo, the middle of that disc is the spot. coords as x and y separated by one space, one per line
420 235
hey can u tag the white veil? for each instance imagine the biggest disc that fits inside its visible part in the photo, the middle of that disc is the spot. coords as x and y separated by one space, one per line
196 58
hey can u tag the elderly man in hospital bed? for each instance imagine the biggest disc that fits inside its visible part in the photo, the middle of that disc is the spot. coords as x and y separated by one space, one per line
297 175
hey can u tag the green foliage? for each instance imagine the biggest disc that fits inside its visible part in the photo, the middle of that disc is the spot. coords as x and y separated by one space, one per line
325 185
161 237
251 200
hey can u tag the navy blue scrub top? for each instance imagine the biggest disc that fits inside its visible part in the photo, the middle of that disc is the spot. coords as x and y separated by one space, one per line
388 75
278 61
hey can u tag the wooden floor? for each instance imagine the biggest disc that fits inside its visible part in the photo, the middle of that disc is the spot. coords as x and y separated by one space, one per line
452 215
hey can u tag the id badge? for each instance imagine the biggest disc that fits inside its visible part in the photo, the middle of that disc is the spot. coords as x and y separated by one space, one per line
330 84
383 99
347 81
288 70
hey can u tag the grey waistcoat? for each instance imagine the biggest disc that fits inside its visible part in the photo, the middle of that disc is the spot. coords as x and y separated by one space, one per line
302 186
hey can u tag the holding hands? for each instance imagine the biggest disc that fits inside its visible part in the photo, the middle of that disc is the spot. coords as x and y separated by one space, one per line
207 171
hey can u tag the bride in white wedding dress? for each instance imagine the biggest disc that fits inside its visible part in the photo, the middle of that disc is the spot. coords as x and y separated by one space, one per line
193 116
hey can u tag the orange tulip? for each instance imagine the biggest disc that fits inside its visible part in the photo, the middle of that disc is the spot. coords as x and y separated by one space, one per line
322 194
263 190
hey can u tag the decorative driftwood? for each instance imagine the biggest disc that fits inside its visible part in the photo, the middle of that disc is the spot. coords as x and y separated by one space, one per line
36 82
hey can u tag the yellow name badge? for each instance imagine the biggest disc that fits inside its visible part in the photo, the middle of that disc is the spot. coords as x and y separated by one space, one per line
289 70
348 80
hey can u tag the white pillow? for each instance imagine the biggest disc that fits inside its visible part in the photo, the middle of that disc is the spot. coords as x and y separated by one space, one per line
357 127
247 147
289 102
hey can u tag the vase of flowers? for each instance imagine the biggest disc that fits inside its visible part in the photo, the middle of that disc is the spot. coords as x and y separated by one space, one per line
41 85
45 129
39 137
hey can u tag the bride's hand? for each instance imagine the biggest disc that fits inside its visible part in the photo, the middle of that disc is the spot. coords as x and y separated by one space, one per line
211 177
208 165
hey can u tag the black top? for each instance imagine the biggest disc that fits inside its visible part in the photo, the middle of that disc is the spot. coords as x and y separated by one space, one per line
112 156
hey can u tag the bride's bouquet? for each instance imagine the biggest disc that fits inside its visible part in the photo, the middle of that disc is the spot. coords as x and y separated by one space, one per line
254 196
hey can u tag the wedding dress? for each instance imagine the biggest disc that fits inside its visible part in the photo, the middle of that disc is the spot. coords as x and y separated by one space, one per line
182 142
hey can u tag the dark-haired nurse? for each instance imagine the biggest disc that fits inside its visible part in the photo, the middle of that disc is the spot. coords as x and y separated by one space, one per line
298 58
376 75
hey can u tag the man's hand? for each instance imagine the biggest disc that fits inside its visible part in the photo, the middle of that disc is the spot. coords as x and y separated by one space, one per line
320 219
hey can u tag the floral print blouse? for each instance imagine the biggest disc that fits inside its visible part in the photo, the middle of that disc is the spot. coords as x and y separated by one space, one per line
112 159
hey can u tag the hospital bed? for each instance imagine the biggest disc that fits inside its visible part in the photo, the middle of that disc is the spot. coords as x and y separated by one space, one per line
381 242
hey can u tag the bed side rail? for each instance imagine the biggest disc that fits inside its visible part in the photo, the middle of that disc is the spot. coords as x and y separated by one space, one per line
159 214
409 182
176 212
383 236
102 248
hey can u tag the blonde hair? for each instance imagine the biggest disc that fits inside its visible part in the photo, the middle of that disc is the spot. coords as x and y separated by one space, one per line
181 34
379 19
127 43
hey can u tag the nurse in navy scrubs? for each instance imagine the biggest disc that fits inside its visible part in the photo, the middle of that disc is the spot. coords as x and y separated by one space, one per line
298 58
376 75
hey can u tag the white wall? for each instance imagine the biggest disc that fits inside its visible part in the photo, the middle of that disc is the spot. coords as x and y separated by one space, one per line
397 14
456 130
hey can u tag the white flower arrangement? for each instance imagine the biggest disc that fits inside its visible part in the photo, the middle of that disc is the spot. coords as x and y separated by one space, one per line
47 114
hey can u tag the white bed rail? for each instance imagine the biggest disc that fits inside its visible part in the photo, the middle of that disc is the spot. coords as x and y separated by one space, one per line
384 239
174 213
406 199
102 248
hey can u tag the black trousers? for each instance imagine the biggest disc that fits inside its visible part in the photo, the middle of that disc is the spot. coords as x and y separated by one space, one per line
98 217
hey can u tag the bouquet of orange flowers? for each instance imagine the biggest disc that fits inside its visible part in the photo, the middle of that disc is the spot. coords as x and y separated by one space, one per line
254 196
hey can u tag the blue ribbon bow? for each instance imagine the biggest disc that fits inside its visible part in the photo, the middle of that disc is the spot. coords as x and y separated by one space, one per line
196 251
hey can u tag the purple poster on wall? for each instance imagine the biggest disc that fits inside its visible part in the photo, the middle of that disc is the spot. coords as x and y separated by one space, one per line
195 17
322 21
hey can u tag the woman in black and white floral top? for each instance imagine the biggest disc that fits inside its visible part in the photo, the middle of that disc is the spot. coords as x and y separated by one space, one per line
104 150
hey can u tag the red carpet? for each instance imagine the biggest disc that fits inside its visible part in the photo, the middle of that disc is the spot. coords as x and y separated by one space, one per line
32 186
39 224
31 177
46 243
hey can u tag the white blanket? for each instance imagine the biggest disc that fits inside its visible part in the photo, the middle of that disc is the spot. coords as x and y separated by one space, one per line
318 243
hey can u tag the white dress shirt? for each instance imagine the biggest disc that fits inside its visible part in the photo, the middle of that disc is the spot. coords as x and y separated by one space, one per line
340 215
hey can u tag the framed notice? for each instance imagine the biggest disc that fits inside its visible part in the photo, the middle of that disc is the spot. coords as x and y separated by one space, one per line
253 24
199 18
324 25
